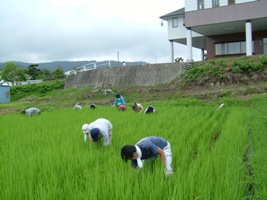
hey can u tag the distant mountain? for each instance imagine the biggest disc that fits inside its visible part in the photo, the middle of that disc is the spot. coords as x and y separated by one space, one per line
69 65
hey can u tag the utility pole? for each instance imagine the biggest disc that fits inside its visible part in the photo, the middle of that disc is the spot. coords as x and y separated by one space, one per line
118 54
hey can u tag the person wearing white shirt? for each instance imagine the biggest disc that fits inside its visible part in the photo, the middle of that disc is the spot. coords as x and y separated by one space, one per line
100 128
77 107
31 111
137 107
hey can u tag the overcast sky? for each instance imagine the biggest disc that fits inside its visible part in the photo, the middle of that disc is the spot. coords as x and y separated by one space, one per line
37 31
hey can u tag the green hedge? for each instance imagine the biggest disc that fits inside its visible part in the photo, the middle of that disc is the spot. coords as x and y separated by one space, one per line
37 89
219 67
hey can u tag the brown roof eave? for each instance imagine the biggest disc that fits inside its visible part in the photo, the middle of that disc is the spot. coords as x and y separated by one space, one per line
175 13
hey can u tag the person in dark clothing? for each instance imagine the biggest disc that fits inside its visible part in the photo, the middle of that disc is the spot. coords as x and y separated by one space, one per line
147 150
149 109
93 106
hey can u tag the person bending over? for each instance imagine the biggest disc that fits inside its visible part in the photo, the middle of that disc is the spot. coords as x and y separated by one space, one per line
150 109
32 111
137 107
100 128
119 100
147 150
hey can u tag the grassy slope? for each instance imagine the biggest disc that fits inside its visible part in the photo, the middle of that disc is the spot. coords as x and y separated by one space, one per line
69 97
210 81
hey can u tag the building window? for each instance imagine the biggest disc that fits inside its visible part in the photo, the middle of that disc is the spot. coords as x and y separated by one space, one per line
231 48
265 45
200 4
215 3
174 22
231 2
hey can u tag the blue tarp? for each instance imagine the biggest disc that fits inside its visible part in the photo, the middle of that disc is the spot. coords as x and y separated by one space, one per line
4 93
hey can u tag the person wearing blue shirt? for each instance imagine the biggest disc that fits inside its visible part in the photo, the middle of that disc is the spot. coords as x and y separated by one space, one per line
147 150
119 100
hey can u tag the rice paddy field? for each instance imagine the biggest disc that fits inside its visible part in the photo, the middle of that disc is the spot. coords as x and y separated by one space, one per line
217 154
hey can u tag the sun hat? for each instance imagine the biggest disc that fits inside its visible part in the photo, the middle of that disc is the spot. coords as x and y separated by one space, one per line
85 128
95 132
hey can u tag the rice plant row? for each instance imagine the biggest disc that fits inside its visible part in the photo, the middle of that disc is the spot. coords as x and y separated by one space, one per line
45 157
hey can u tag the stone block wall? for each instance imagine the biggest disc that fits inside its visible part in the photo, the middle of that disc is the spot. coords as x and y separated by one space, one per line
143 75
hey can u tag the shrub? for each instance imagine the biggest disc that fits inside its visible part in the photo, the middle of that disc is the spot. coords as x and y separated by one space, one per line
194 73
211 68
246 65
263 59
38 89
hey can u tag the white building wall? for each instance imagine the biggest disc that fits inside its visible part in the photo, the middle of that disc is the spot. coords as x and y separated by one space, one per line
180 31
208 4
243 1
176 32
191 5
223 2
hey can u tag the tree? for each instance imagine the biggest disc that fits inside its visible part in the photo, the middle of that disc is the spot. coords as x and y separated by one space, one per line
58 73
19 75
47 73
11 73
34 72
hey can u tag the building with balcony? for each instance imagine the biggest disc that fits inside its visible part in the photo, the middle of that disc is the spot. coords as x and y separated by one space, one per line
220 28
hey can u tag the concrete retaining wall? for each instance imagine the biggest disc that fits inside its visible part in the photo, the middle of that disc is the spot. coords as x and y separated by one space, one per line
144 75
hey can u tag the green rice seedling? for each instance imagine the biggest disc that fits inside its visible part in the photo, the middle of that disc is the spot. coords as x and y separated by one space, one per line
45 157
255 157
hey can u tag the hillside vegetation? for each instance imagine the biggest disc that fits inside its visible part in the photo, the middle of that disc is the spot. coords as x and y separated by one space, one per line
209 81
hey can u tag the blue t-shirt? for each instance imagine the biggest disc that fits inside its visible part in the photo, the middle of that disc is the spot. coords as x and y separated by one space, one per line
149 147
119 101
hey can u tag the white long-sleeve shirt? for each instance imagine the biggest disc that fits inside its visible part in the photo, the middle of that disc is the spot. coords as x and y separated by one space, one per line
32 111
105 128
